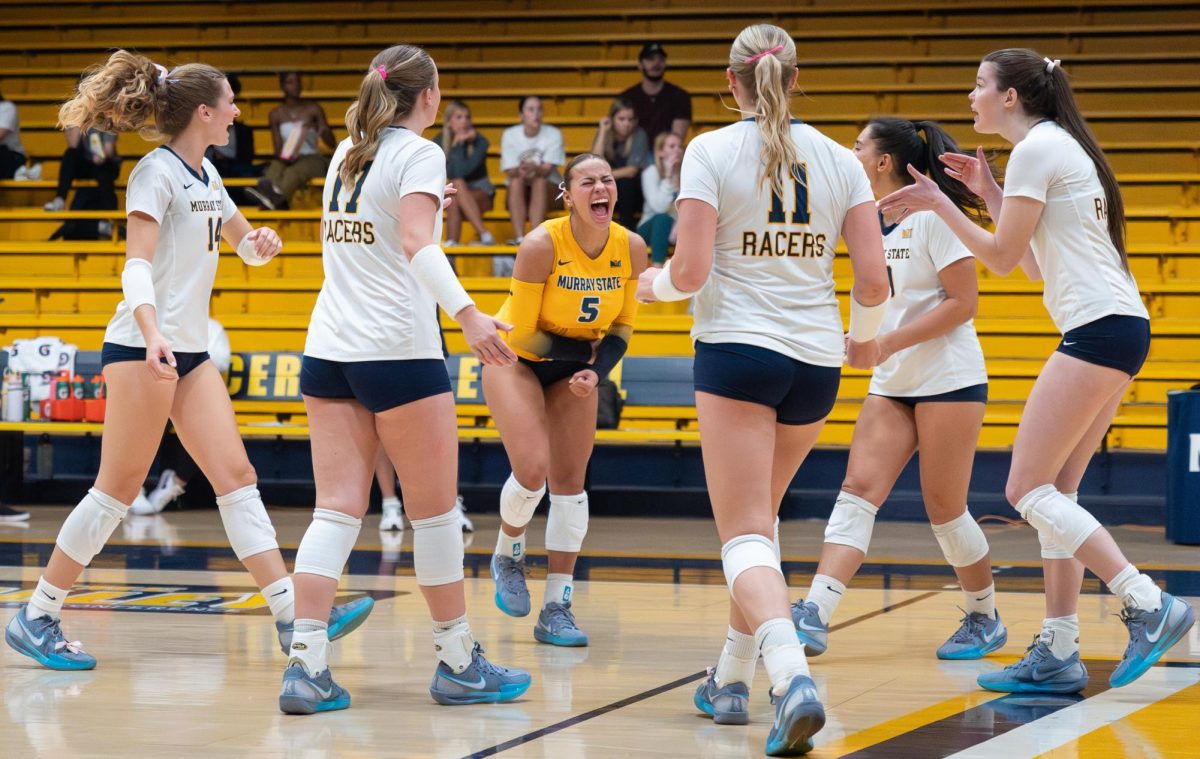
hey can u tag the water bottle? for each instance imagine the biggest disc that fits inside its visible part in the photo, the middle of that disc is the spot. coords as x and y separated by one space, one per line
14 398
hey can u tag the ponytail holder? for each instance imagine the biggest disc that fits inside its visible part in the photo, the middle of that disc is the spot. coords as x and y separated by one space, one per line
162 73
1052 64
764 54
562 190
382 72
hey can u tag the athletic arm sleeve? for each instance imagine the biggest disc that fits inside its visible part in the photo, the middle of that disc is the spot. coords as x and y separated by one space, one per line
524 305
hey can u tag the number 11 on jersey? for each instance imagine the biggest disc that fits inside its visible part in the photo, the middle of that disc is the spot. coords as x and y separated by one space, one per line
801 213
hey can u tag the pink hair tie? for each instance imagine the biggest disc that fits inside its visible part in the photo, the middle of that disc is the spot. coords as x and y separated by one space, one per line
764 54
382 72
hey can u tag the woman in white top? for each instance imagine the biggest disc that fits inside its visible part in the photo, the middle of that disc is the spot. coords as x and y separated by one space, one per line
156 364
928 393
373 372
1061 218
762 205
660 187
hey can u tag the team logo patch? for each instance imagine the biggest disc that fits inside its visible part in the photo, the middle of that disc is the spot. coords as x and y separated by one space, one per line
905 233
187 599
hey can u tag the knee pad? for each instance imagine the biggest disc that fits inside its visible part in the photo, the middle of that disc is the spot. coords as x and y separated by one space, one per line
778 545
962 540
246 522
1064 522
568 522
1051 549
89 526
852 522
518 504
327 544
746 552
438 549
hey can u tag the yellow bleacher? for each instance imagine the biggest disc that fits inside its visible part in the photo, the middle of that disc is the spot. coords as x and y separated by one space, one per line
1136 71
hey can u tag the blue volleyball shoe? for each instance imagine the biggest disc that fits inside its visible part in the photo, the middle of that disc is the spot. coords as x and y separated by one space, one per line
798 717
727 705
810 630
303 693
1038 671
1151 634
343 620
976 637
556 626
480 683
42 640
512 594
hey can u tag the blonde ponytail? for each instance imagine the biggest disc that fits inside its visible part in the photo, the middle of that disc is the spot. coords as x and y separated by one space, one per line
130 93
763 58
388 92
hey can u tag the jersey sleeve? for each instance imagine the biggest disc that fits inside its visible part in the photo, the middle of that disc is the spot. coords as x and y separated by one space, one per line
149 190
858 187
228 207
943 246
1031 169
425 172
698 176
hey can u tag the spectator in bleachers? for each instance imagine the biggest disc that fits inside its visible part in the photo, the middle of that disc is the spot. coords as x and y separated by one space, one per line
530 154
236 159
660 186
89 155
625 146
296 124
660 106
12 152
466 168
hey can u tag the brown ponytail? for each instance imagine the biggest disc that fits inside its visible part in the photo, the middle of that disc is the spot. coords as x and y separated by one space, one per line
388 92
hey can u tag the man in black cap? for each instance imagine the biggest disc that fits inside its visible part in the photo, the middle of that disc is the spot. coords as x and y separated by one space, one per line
660 106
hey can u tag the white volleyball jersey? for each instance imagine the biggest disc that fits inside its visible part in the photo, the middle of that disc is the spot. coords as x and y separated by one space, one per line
370 307
190 209
771 283
1083 276
917 249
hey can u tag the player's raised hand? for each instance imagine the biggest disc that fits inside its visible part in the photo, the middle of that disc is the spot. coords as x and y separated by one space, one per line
972 171
924 195
266 241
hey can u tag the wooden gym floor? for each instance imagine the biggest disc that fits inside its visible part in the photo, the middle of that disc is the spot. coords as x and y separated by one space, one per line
189 662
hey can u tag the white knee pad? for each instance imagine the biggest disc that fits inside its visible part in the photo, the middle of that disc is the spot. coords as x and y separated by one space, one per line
1050 549
778 545
246 522
962 540
438 549
327 544
746 552
852 522
568 522
1065 522
89 526
518 504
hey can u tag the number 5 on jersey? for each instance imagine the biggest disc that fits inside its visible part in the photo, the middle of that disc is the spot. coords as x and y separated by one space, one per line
589 309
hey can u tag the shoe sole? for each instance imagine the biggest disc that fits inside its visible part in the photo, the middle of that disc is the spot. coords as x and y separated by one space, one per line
350 623
56 664
976 653
1075 686
506 693
1163 645
798 732
298 705
554 640
723 718
811 647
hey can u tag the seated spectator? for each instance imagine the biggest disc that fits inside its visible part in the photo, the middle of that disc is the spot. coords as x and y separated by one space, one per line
466 169
660 106
660 185
624 145
530 155
90 155
236 158
12 152
295 126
